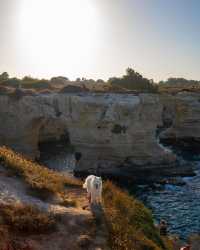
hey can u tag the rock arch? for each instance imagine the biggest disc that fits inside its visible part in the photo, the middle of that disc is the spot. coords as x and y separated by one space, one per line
47 131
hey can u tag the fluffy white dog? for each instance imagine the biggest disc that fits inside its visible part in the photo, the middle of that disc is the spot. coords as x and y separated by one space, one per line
93 184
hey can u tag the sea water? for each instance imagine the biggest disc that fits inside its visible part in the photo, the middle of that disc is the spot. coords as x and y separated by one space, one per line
178 205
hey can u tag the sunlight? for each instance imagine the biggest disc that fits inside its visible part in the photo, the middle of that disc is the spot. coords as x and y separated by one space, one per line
58 32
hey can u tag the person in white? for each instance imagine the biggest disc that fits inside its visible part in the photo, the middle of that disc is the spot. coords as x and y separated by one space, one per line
93 184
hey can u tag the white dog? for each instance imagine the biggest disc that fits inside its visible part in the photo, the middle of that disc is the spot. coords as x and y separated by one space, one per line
93 184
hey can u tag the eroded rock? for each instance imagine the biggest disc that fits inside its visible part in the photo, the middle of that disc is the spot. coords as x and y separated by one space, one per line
115 133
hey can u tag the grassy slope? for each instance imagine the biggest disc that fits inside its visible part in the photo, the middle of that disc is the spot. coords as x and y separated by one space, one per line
130 223
42 182
36 176
26 218
23 222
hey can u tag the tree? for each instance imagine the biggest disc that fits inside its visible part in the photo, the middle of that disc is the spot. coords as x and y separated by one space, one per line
29 79
133 80
100 81
4 76
12 82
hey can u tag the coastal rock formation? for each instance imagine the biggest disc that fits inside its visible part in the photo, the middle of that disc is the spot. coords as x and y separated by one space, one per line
184 131
115 134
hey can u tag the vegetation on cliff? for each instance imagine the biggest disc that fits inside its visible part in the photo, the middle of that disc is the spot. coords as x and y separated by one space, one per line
133 80
38 177
26 218
174 85
26 82
129 222
180 82
29 222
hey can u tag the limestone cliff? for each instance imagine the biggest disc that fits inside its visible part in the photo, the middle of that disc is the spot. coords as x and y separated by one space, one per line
115 133
183 111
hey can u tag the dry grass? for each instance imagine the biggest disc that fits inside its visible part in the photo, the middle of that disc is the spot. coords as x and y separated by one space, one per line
38 177
130 224
26 219
68 202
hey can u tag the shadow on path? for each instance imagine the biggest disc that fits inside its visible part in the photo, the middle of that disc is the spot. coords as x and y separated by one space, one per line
101 240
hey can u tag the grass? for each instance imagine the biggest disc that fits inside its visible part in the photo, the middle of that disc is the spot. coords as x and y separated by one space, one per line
26 219
129 222
68 202
38 178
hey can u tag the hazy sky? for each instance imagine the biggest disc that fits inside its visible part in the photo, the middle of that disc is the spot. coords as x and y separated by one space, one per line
100 38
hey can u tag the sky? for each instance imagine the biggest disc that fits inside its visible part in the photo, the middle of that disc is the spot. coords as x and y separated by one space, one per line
100 38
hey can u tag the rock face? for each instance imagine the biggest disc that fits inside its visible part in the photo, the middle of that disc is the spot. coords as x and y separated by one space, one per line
116 134
184 114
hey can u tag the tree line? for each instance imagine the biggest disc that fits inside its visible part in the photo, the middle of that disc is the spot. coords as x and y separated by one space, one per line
131 80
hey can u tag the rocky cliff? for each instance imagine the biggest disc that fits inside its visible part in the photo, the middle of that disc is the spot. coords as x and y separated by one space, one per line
183 114
116 134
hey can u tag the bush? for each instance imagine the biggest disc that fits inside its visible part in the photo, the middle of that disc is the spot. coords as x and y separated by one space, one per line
37 84
4 76
11 82
133 81
130 224
27 82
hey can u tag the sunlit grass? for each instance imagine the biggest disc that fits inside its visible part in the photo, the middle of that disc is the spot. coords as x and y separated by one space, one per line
37 177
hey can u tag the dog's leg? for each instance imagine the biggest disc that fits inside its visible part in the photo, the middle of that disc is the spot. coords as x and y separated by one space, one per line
89 197
93 198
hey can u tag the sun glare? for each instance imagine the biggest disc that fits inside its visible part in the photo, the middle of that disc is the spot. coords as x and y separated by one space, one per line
58 33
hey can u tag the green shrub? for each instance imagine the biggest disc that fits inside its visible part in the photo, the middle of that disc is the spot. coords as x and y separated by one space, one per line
37 84
132 80
11 82
27 82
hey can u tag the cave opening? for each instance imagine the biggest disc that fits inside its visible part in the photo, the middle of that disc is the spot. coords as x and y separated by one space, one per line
56 150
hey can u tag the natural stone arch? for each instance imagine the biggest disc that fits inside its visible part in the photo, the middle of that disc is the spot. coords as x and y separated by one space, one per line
46 130
53 129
